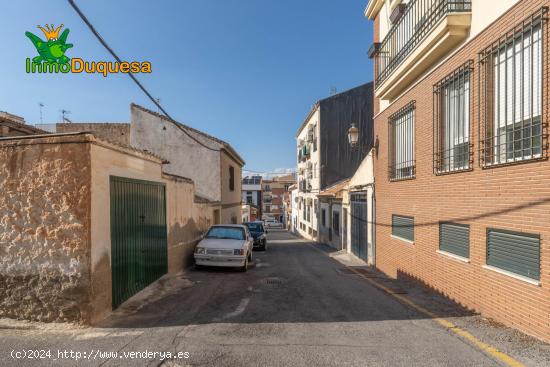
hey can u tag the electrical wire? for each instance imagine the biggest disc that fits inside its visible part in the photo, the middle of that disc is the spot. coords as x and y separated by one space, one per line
131 75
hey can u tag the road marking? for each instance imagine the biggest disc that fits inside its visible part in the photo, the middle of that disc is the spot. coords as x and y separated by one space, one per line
239 310
492 351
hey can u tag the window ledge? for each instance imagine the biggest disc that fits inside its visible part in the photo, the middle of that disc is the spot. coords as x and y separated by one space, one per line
403 239
514 162
453 256
513 275
402 179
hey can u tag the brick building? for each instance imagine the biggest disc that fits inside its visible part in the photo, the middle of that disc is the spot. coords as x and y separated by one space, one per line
461 166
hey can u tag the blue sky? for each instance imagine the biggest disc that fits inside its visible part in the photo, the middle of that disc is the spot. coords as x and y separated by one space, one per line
246 71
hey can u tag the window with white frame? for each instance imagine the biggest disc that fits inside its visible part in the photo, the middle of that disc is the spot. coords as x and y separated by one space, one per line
512 93
452 121
401 144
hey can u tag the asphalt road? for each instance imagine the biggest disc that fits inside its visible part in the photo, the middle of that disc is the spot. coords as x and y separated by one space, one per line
294 307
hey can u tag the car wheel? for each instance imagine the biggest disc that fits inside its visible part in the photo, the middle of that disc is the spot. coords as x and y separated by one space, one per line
250 256
198 267
264 246
245 267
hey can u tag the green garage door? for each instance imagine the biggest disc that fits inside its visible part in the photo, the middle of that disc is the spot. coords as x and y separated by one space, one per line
138 235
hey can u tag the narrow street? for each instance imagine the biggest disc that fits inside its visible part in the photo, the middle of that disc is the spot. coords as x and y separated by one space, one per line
294 307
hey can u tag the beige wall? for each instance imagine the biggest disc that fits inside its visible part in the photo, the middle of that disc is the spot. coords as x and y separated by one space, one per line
186 221
231 200
106 162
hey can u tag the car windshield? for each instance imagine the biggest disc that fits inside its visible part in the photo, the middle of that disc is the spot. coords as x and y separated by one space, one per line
255 227
226 233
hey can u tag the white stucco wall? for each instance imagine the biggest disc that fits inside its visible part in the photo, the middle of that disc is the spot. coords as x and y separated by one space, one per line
363 180
187 158
484 12
315 158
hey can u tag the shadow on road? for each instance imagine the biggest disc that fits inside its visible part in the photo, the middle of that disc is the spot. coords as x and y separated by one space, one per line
292 282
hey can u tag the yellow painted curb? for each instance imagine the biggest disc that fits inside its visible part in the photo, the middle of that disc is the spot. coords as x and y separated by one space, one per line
492 351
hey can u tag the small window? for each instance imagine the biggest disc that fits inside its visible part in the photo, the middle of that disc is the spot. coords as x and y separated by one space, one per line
336 223
402 164
455 239
403 227
516 252
231 178
323 217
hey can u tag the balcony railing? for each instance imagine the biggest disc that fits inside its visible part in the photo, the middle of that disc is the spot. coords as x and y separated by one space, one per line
418 20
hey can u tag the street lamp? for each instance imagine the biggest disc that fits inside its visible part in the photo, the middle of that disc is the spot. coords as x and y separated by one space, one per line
353 135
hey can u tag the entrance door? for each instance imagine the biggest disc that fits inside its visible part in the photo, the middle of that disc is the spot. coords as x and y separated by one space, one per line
359 225
138 235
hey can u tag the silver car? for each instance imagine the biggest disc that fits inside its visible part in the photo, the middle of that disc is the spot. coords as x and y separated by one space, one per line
272 223
226 245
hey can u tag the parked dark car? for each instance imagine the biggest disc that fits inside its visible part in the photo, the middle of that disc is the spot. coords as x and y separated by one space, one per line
258 232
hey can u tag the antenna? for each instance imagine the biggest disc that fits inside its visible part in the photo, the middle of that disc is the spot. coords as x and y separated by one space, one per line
333 91
41 105
63 117
158 104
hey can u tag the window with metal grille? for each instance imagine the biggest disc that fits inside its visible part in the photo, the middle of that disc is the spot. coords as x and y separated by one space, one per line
452 121
516 252
401 144
336 223
402 227
455 239
512 95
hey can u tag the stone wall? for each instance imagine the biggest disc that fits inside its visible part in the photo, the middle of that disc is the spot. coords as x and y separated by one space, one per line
44 229
115 132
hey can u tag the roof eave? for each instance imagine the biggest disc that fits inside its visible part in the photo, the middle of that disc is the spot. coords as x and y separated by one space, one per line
373 7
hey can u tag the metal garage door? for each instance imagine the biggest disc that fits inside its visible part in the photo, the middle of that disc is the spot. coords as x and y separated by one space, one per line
359 225
138 235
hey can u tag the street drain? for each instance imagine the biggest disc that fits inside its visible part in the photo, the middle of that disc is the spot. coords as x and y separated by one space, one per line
273 281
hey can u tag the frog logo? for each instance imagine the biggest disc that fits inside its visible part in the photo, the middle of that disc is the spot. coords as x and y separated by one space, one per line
53 50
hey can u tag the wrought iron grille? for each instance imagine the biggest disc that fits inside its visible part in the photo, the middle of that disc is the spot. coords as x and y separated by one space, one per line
513 126
418 20
402 164
453 149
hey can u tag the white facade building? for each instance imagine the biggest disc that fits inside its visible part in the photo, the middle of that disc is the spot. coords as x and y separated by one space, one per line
308 154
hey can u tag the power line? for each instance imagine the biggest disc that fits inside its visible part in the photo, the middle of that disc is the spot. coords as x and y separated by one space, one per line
131 75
